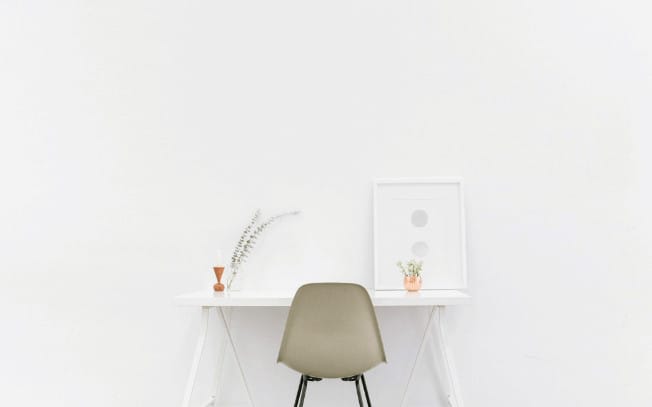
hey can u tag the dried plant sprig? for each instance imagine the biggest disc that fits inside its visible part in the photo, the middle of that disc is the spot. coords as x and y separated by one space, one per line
243 238
253 236
413 268
248 240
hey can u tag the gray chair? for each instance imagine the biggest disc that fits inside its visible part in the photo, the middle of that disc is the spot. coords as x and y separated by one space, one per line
331 332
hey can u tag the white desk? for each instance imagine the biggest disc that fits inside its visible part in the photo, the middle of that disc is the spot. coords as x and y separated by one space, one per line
436 300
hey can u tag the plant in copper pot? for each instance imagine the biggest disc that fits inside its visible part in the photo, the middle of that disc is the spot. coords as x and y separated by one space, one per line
411 274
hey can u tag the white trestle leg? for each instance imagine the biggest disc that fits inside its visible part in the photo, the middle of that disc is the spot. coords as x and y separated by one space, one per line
199 348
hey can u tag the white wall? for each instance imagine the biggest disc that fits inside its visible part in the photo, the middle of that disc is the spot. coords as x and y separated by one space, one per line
138 136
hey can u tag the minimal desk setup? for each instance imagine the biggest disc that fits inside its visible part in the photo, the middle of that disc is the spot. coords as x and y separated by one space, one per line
421 219
436 300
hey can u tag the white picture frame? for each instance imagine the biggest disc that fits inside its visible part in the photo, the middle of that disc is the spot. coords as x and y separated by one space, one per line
421 219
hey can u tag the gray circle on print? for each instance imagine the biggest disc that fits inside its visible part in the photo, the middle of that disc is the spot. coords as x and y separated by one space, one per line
420 249
419 218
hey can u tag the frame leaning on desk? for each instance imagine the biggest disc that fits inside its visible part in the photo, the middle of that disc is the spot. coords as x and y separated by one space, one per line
436 300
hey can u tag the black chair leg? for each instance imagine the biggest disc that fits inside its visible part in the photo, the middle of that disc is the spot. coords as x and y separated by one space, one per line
366 392
357 388
303 393
303 386
296 400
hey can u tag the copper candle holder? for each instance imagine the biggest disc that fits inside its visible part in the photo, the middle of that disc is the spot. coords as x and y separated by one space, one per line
219 271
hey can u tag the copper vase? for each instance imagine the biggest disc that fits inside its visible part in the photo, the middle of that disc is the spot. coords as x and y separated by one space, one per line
218 274
412 283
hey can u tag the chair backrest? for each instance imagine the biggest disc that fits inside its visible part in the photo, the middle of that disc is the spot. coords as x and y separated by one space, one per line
331 331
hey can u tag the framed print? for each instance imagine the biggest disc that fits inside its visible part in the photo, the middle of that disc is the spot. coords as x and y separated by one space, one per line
420 219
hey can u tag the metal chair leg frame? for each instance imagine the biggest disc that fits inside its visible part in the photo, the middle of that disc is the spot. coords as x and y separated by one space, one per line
366 392
303 385
296 400
303 392
357 389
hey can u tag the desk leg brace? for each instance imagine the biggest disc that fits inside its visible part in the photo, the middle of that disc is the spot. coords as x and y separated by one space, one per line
235 354
199 348
221 355
454 397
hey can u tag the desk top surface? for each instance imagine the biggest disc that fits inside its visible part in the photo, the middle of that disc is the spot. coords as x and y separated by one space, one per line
257 298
